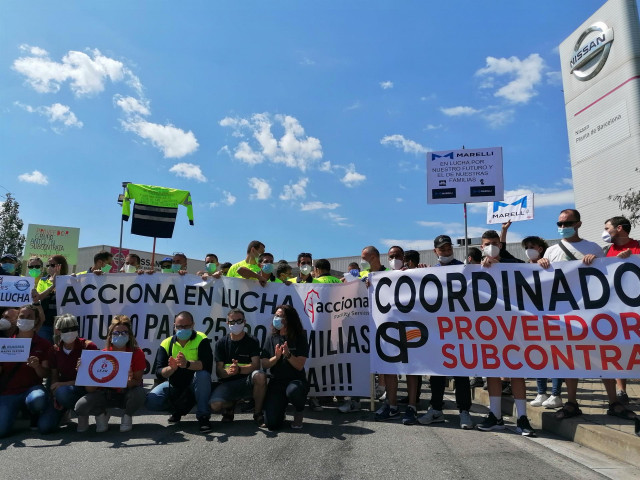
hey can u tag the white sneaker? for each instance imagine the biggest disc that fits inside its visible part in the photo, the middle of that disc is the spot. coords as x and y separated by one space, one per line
465 420
539 400
126 424
83 424
432 416
349 406
102 423
554 401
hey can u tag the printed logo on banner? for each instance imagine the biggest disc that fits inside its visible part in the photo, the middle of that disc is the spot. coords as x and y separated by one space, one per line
401 336
309 304
103 368
447 155
21 285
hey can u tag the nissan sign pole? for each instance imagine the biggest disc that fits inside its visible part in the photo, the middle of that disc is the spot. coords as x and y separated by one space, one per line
465 176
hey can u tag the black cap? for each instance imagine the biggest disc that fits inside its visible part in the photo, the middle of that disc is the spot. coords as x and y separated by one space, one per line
442 240
10 256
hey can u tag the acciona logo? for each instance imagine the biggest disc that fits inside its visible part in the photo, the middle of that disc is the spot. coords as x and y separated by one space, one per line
591 51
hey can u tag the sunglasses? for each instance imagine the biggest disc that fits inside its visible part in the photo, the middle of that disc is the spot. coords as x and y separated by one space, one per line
35 266
568 223
51 265
234 322
68 329
119 334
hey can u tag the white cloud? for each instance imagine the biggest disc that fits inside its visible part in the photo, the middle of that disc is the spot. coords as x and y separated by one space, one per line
293 149
262 188
188 170
337 219
306 207
131 105
433 127
499 118
295 191
408 146
399 200
174 142
325 166
354 106
307 61
37 51
228 199
34 177
527 73
458 111
86 73
386 85
58 114
554 78
351 177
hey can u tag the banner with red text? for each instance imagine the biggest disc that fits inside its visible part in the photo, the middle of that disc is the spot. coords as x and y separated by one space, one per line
512 320
335 317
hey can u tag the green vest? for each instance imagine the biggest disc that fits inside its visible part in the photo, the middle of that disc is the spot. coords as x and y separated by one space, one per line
190 350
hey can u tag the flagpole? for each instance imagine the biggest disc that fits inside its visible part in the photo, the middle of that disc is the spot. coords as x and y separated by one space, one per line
120 201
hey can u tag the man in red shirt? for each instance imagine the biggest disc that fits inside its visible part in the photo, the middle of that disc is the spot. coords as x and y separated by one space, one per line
616 232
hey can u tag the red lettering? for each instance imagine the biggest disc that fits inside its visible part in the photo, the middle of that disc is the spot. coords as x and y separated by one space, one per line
529 360
449 356
613 359
507 362
548 327
627 328
557 354
595 322
492 325
568 319
463 325
490 352
585 349
445 325
634 358
474 359
508 332
528 329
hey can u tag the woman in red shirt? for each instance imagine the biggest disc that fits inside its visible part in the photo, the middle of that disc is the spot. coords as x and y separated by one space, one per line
120 338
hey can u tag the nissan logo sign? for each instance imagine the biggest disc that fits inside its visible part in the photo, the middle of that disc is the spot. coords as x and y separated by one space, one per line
591 51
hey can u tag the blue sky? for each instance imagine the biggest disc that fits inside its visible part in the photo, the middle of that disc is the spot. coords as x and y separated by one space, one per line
302 124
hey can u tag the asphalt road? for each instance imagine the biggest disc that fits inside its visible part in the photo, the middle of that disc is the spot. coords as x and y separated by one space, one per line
330 446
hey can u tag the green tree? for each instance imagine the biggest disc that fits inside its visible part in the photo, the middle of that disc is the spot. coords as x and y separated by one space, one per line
11 240
629 203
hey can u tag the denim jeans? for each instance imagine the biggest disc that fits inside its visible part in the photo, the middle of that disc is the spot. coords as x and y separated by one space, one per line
66 397
35 399
157 399
556 386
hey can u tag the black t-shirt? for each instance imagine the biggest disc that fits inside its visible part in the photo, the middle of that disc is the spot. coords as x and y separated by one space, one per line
241 350
283 370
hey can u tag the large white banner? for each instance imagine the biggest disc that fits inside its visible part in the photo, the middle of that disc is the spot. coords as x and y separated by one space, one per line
15 291
335 316
511 320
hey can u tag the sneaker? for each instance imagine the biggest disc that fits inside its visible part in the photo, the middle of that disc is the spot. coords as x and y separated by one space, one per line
491 423
554 401
314 404
83 424
622 397
539 400
477 382
102 423
349 406
410 416
524 427
386 413
298 418
126 424
465 420
432 416
227 415
175 418
205 424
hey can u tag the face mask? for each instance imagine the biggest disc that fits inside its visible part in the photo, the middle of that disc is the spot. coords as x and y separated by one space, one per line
8 267
120 341
566 232
184 334
236 328
211 267
176 267
364 265
129 269
277 323
532 253
445 260
4 324
35 272
267 268
491 251
68 337
25 324
305 269
167 270
606 236
395 264
106 268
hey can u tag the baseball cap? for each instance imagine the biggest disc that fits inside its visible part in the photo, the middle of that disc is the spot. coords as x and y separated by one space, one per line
166 260
10 256
441 240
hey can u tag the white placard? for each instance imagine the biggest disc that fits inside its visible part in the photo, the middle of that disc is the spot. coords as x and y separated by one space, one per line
15 291
99 368
14 349
465 176
514 207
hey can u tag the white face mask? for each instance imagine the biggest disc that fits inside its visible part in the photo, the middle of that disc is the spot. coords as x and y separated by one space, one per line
395 264
445 260
606 236
129 269
305 269
236 328
4 324
68 337
364 265
532 253
25 324
491 251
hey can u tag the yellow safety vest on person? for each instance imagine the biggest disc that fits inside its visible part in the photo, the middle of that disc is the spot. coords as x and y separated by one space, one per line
327 279
190 350
233 271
